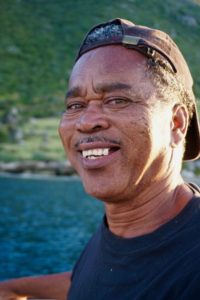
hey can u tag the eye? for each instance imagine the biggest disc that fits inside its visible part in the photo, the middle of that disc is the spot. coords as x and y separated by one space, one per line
117 101
74 106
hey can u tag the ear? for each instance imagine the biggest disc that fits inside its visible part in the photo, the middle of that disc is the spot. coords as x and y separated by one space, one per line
179 124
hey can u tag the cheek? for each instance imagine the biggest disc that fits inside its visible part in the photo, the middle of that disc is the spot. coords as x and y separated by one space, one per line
138 132
138 152
65 131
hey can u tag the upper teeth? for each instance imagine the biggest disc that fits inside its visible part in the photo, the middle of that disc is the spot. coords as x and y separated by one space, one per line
95 152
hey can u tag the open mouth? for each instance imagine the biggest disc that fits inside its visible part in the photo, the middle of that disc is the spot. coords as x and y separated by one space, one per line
98 152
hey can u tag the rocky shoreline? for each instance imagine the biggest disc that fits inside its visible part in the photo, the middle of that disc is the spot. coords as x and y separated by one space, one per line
35 167
191 171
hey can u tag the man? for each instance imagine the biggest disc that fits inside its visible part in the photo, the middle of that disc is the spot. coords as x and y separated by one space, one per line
130 120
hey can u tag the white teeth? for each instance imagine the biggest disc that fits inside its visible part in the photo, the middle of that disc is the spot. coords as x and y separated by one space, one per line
95 153
105 151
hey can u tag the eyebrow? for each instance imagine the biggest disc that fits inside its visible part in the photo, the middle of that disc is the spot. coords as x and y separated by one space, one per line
100 88
73 92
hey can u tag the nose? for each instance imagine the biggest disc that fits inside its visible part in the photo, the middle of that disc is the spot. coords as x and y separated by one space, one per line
92 119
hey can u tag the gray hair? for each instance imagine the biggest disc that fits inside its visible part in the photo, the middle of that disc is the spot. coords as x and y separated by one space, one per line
169 84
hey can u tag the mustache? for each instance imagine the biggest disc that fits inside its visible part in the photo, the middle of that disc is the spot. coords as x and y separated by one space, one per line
91 139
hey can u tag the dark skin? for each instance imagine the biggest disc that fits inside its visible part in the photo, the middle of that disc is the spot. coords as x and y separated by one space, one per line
53 286
113 107
111 100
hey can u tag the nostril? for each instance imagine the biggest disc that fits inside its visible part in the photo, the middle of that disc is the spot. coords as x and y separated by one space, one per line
97 127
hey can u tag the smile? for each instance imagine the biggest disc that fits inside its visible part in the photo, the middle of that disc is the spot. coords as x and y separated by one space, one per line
95 153
95 156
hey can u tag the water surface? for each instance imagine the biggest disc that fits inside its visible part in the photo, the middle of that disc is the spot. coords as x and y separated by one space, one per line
44 224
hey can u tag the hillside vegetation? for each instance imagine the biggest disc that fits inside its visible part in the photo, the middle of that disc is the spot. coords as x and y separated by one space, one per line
39 40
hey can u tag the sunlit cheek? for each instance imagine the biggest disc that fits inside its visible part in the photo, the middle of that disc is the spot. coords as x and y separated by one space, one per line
162 135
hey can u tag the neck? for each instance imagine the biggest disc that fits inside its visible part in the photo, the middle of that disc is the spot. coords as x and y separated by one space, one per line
153 207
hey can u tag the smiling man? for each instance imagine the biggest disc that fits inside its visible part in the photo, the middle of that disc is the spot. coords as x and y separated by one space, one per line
130 121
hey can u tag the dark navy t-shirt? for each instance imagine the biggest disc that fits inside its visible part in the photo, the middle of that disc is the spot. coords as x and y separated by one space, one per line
163 265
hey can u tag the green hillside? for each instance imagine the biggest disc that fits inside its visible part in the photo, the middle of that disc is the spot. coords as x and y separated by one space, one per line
39 39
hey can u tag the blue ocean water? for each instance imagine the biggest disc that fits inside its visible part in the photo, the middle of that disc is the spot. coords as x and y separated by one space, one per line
44 224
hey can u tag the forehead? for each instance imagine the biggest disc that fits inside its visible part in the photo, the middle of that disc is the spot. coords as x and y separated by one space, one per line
110 63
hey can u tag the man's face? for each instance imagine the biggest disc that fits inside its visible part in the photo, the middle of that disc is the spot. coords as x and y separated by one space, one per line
115 131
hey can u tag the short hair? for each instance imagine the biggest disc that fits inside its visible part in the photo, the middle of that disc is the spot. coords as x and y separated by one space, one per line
169 84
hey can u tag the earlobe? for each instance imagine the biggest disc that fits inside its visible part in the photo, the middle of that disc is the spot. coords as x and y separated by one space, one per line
179 124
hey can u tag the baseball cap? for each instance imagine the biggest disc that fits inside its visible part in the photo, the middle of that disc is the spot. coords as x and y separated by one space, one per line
154 44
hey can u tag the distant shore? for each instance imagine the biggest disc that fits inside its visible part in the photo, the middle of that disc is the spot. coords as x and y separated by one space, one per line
59 168
191 171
